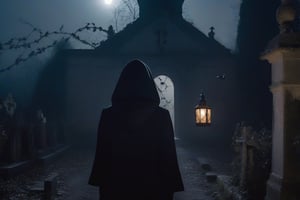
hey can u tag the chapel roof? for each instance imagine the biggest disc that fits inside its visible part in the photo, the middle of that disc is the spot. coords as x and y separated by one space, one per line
150 12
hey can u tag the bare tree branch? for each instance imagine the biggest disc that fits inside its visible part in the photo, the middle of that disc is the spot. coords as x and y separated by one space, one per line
124 13
29 41
132 7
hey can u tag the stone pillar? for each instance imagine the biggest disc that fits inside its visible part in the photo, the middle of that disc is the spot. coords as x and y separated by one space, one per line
283 53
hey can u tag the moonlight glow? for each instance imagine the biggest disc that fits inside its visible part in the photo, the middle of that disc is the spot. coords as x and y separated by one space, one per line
108 2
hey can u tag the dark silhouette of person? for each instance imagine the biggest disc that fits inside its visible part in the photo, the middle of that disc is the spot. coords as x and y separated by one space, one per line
135 155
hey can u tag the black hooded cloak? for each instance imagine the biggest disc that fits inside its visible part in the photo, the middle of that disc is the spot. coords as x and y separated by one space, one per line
135 154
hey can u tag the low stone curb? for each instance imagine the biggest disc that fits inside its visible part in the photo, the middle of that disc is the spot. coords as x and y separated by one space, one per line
16 168
226 189
204 164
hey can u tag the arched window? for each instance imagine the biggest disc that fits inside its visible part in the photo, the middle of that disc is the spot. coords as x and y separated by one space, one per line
165 89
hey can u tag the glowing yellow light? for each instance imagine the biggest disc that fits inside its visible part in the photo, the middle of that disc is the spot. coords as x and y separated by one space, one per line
203 116
202 112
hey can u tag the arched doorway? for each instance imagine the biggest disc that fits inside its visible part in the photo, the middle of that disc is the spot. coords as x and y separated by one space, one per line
165 88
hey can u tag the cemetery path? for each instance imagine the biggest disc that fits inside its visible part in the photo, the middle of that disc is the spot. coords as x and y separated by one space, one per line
77 182
73 169
196 187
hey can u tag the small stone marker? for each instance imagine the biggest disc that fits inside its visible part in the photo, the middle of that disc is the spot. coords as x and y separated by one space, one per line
204 164
36 186
226 189
211 177
50 187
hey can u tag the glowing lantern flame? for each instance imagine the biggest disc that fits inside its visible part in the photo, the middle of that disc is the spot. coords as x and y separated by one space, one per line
202 112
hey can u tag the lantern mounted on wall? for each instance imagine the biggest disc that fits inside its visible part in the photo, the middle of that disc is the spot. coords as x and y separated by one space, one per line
202 112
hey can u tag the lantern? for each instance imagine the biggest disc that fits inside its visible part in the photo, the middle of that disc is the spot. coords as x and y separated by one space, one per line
202 112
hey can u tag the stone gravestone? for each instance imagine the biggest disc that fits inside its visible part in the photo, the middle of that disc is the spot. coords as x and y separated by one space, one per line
40 133
50 187
283 53
13 146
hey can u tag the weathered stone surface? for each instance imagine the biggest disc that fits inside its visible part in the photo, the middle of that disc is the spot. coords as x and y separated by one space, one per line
226 189
211 177
52 156
36 187
50 187
204 164
13 169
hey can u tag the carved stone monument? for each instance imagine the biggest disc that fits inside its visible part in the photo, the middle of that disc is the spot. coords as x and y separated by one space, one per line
283 53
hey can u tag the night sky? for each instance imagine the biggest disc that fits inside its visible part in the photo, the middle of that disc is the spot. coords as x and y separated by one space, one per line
51 14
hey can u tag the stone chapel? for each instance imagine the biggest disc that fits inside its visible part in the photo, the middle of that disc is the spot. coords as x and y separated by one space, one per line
180 56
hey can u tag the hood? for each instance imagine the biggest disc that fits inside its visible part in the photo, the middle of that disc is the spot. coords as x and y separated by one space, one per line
135 86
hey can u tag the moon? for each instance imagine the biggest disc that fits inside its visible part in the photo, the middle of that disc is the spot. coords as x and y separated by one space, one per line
108 2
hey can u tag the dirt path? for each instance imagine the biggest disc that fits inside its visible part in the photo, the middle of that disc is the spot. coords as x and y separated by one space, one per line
196 187
73 170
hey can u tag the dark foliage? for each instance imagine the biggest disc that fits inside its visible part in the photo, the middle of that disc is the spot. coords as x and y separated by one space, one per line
31 41
257 26
257 161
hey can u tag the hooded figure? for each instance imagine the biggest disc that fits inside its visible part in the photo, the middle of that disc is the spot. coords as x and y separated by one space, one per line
135 155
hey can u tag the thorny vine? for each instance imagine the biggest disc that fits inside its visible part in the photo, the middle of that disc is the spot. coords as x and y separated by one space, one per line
127 10
29 41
